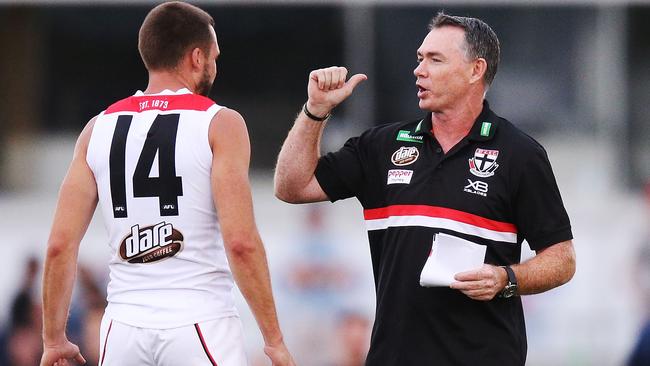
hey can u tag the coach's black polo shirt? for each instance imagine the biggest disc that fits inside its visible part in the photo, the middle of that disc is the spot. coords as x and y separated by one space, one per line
495 188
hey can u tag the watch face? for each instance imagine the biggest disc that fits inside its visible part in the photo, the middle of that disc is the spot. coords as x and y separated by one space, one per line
509 291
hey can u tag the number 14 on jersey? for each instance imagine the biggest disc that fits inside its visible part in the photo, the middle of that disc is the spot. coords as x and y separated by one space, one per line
161 139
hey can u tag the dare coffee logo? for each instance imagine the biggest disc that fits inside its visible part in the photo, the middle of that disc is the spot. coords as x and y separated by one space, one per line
405 156
151 244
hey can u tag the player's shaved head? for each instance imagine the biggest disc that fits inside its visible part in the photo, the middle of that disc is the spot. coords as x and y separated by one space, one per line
171 29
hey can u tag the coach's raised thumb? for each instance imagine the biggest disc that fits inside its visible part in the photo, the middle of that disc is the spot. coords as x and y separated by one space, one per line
355 80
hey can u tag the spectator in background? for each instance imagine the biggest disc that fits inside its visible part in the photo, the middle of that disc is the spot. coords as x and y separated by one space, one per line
353 339
21 343
23 338
94 302
316 279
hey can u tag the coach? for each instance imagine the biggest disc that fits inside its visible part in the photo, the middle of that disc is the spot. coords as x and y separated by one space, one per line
462 171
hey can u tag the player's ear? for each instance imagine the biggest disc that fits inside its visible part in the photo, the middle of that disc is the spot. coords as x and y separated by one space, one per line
478 70
197 58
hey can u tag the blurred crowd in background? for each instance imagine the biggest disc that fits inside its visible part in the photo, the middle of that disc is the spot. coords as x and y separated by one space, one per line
573 74
20 339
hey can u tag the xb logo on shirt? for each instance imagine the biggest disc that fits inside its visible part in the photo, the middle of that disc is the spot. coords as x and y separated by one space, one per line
477 187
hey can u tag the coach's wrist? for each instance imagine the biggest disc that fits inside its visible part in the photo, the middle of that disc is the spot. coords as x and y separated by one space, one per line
318 112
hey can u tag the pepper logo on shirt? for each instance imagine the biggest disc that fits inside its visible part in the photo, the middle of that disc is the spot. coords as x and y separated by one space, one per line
405 156
399 176
151 244
484 163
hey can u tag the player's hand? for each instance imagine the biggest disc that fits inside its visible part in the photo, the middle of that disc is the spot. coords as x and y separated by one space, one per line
328 87
481 284
65 353
279 355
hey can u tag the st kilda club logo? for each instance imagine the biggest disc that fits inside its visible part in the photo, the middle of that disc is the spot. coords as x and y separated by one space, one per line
151 244
484 163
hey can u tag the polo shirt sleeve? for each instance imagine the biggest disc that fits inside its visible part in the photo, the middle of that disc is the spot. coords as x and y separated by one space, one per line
540 215
340 173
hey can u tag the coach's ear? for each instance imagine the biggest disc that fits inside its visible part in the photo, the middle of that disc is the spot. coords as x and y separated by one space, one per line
479 68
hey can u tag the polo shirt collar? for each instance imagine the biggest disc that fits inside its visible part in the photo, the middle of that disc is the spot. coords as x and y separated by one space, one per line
483 129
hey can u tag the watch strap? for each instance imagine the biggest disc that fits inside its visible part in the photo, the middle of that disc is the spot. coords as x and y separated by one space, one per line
510 288
512 279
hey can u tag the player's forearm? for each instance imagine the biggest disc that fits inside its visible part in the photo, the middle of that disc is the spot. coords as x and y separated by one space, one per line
550 268
298 158
58 281
250 270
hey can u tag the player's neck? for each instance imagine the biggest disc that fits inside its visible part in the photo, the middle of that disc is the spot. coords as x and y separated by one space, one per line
452 125
166 80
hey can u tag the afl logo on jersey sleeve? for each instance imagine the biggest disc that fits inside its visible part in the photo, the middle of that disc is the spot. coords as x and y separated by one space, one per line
151 244
405 156
484 163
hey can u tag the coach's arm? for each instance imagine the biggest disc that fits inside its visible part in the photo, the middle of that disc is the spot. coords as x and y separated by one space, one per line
294 174
549 268
76 205
232 197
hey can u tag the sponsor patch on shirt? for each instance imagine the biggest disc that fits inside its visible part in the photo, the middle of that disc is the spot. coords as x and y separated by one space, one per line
476 187
405 135
485 129
151 244
405 155
399 176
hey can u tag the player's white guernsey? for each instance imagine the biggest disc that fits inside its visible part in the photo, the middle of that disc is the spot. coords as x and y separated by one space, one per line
152 160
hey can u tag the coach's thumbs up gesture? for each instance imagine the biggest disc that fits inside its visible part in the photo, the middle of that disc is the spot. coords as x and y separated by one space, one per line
327 88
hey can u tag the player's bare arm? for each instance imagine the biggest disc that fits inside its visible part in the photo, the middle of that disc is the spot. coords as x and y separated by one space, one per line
549 268
294 174
232 196
75 207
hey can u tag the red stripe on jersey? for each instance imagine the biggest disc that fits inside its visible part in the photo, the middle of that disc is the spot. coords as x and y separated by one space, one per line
439 212
141 103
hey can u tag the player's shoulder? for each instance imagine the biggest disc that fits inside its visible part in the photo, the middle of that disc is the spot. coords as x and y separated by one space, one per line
227 123
228 115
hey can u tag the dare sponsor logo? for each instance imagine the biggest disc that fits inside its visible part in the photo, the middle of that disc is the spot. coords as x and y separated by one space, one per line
399 176
405 156
151 244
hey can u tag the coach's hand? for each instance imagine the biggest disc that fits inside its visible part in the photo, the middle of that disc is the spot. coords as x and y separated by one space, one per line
279 355
62 354
327 88
482 284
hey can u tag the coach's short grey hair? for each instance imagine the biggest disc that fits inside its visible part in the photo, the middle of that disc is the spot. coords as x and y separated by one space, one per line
480 39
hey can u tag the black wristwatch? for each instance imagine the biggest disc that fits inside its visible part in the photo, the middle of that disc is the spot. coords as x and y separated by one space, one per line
511 287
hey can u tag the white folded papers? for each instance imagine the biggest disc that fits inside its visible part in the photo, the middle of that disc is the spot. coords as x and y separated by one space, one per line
450 255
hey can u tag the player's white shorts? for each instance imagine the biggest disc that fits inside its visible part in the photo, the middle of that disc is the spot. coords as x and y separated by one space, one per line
216 342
